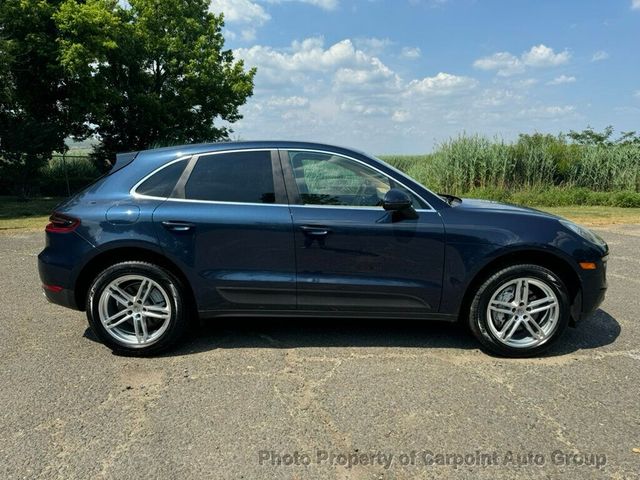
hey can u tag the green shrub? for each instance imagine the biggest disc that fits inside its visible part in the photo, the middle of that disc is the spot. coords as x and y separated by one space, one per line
80 172
624 199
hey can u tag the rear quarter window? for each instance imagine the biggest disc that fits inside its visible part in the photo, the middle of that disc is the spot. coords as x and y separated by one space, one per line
238 177
162 183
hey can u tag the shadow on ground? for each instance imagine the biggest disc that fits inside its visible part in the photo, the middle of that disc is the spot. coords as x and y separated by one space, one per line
599 330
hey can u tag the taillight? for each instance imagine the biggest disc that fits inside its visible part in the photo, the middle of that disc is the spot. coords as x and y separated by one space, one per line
60 223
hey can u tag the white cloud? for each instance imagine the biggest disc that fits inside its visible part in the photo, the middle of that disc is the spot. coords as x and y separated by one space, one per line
339 92
372 75
373 45
410 52
308 55
635 4
362 108
343 93
504 62
547 112
293 101
562 79
497 98
636 94
600 55
543 56
400 116
527 82
248 34
325 4
309 64
246 14
441 84
240 11
508 64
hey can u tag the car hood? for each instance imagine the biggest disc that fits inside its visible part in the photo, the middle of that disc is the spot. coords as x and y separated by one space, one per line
476 204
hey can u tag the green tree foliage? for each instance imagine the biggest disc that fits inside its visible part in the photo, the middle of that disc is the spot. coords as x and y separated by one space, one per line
153 72
589 136
36 103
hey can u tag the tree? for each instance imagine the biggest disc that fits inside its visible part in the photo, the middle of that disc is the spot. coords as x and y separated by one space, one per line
151 72
36 109
590 137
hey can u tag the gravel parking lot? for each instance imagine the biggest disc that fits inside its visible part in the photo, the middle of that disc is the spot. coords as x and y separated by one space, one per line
271 398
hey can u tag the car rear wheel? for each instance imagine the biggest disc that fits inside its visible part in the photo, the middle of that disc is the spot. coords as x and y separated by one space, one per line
520 310
136 308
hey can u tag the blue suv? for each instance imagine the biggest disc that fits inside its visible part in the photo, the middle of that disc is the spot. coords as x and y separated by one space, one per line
308 230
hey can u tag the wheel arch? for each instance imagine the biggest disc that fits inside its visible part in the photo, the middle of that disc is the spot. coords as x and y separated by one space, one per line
122 253
545 258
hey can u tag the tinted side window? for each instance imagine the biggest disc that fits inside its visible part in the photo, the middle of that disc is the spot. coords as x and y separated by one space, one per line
328 179
161 183
244 177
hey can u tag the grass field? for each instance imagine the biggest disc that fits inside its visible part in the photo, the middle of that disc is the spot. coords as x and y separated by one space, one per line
18 216
593 216
25 215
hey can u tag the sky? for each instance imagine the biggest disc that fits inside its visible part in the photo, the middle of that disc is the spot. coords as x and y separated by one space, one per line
402 76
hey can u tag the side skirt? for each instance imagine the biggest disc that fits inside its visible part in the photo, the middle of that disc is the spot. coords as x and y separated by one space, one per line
441 317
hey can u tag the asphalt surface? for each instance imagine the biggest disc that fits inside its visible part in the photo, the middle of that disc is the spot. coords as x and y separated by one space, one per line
240 396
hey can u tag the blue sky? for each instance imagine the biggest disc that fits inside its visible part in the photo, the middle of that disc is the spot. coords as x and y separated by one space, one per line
401 76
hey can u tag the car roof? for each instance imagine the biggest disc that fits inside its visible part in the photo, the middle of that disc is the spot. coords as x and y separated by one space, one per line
191 149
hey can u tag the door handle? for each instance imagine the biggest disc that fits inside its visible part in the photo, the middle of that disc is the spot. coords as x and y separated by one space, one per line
177 226
315 231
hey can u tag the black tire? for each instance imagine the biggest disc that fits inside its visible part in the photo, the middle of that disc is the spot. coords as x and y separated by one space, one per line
178 317
478 321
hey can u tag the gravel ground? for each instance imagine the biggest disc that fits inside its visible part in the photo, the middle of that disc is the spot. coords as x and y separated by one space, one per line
271 398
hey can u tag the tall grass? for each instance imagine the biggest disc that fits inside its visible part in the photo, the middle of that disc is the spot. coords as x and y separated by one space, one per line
607 168
534 162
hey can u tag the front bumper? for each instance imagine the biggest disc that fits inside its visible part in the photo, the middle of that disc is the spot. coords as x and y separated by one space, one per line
592 293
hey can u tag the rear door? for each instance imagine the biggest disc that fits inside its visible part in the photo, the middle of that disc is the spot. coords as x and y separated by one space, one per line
352 255
227 224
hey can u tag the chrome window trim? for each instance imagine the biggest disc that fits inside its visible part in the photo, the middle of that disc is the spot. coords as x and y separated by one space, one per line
196 156
132 190
218 202
430 209
356 207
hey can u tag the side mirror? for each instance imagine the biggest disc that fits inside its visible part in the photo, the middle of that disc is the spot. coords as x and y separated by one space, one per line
396 200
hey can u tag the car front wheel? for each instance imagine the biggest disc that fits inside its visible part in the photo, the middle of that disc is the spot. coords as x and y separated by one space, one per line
520 310
136 308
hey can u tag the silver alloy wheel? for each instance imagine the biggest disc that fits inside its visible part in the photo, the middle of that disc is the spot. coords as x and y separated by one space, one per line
135 310
523 313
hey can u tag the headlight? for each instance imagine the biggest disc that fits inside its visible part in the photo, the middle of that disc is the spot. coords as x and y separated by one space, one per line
584 233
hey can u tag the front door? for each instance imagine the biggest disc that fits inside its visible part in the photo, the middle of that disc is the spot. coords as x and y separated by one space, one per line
353 256
227 224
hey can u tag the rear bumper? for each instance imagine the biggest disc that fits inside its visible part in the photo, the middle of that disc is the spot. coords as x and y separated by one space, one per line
56 282
64 297
58 265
